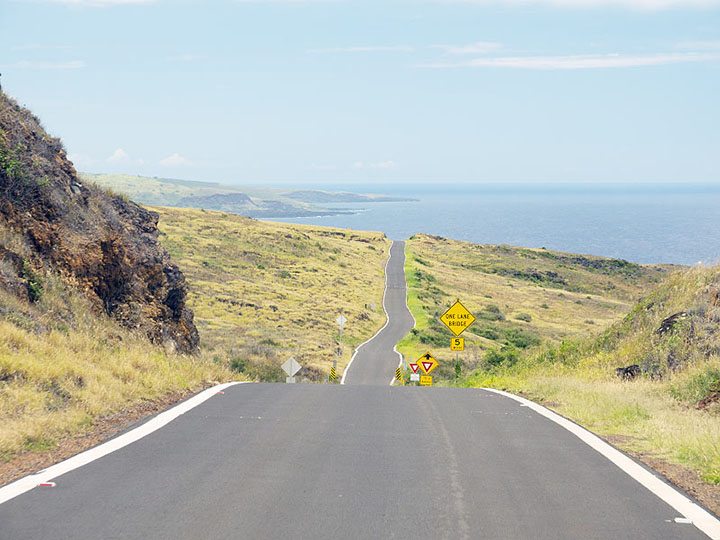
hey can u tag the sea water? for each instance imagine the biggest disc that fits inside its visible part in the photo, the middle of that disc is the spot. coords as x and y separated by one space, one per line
645 223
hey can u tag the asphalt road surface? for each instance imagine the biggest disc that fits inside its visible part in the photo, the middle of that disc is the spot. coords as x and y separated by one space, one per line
375 361
330 461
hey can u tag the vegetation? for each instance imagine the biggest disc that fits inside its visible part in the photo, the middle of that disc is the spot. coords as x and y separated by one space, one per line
263 292
521 297
668 414
63 365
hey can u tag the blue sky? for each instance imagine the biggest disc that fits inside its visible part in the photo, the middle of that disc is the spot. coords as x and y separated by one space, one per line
368 91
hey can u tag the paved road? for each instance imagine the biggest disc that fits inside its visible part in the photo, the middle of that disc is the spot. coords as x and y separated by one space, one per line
375 361
327 461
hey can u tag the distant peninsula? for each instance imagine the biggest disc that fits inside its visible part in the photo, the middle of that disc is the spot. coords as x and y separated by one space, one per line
254 202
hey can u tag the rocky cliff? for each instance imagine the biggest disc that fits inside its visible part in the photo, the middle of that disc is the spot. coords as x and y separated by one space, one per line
99 242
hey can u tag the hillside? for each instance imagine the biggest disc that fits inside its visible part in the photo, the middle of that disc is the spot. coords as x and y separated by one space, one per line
102 244
522 297
249 201
92 309
586 317
263 292
669 414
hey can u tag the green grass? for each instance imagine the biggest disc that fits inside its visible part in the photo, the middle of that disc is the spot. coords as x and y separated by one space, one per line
591 315
673 411
521 297
263 292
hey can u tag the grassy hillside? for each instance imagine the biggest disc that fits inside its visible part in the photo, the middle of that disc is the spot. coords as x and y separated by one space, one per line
522 297
263 292
671 412
62 365
156 191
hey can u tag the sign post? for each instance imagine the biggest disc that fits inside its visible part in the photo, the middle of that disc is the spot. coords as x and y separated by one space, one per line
426 364
341 320
458 319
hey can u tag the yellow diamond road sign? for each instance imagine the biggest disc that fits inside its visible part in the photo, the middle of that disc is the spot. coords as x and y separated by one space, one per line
457 318
427 363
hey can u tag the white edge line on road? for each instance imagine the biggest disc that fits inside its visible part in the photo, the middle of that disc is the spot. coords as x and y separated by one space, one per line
29 482
699 517
387 318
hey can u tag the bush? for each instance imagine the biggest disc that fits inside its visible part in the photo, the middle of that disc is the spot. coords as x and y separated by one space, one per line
491 313
507 355
489 332
523 317
697 386
521 338
238 365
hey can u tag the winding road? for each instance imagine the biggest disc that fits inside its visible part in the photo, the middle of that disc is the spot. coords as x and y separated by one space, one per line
375 361
362 460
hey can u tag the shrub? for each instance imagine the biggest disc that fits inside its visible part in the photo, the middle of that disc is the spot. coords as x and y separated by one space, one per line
521 338
523 317
507 355
492 313
238 365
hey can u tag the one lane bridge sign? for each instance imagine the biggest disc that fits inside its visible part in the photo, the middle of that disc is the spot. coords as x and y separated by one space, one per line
458 318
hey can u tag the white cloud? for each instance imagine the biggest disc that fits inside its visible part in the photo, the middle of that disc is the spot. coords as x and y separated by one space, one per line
175 160
40 65
648 5
387 164
101 3
479 47
366 49
323 167
711 45
118 156
579 61
40 47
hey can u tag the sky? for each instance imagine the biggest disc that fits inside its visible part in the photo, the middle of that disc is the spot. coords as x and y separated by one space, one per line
367 91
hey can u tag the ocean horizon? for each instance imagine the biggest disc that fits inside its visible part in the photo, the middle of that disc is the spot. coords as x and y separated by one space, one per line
643 223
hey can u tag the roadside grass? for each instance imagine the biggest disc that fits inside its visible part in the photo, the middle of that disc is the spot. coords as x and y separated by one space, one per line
641 416
522 298
672 411
62 365
263 292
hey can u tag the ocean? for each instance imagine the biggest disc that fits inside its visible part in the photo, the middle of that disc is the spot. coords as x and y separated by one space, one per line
644 223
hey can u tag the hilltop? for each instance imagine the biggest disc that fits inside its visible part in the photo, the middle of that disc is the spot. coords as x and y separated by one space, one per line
523 297
255 202
263 292
93 316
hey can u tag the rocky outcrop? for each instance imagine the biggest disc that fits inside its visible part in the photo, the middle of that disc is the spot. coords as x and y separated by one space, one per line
102 243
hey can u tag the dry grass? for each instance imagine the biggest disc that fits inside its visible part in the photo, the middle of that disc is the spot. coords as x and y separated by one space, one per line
522 297
672 412
263 292
62 366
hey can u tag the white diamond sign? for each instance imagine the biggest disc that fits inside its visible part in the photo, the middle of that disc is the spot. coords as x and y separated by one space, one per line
341 320
291 367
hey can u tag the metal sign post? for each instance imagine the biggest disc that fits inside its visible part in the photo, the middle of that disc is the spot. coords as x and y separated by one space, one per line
341 320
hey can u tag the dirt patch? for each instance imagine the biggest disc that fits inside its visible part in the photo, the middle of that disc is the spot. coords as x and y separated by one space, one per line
709 401
103 429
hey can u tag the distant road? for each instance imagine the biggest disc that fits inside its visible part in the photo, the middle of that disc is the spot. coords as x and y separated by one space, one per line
329 462
375 361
